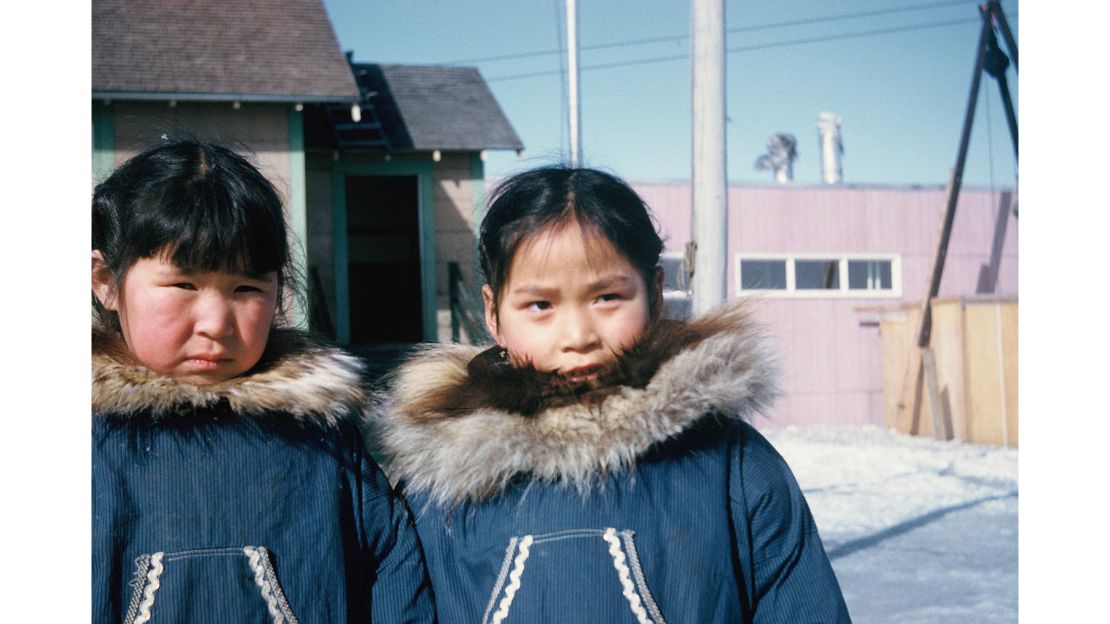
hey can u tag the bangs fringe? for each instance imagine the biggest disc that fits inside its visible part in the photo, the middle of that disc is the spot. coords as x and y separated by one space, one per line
205 231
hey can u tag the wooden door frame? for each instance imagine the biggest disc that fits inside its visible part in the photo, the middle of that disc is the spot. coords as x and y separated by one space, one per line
425 192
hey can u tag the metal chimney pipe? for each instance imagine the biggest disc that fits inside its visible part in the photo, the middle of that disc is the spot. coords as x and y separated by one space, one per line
828 130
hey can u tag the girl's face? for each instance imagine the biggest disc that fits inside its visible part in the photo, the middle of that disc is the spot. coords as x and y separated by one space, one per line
198 327
571 303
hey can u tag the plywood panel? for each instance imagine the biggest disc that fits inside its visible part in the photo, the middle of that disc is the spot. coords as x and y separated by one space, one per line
947 341
1009 313
975 345
897 329
992 373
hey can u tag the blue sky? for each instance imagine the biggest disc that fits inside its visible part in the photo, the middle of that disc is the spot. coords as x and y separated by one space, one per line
897 72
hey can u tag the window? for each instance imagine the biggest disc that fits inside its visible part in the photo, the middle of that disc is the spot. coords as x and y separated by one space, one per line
869 275
763 274
820 275
817 274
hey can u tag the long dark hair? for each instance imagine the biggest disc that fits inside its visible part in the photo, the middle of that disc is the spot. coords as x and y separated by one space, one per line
537 200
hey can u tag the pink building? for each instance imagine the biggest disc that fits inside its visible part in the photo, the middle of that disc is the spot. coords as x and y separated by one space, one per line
820 261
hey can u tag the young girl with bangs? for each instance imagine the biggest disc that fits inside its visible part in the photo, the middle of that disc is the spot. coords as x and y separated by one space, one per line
230 477
595 464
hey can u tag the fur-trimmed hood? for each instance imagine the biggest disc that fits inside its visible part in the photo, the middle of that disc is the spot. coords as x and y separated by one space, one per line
460 424
305 380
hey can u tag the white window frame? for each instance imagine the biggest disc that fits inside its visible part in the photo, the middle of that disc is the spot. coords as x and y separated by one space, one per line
791 292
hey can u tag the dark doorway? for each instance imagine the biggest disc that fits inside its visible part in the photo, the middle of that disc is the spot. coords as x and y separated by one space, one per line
383 256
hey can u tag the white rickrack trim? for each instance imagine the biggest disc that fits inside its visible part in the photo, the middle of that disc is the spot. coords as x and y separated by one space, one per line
259 562
514 580
501 576
142 565
638 575
630 594
152 585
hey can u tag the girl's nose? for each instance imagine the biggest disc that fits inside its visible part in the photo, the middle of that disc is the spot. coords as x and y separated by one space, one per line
579 332
214 317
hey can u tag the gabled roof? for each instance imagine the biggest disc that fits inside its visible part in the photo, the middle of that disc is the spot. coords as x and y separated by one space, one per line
249 50
428 107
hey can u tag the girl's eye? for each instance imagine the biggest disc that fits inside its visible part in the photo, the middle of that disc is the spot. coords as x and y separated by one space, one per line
609 297
248 288
184 286
540 305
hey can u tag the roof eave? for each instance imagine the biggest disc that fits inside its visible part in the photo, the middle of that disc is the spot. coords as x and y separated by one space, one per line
225 97
468 148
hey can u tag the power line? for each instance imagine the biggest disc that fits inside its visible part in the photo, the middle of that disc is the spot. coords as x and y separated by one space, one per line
738 29
859 34
765 46
847 16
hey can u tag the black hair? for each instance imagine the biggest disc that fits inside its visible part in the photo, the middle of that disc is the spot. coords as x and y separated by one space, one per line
539 199
201 205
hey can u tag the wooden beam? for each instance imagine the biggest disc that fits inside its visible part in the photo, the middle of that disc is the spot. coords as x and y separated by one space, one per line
909 405
936 399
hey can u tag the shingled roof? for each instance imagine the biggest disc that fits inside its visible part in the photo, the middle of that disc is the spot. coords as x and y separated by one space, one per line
427 107
248 50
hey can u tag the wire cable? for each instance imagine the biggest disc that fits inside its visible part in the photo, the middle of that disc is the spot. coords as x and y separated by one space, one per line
751 48
737 29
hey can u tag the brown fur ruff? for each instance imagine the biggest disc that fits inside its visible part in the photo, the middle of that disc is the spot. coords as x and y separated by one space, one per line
461 423
308 381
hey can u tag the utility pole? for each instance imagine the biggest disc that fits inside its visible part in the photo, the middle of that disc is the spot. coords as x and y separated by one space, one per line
574 100
709 222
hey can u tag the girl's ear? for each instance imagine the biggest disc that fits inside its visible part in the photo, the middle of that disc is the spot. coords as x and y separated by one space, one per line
102 285
490 309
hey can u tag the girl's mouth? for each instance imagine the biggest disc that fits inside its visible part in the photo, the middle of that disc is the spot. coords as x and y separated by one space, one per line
206 363
582 374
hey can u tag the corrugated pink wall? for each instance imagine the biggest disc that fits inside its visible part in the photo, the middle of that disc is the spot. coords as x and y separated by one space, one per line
830 347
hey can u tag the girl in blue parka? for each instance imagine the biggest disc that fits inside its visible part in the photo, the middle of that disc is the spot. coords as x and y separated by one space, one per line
595 464
231 482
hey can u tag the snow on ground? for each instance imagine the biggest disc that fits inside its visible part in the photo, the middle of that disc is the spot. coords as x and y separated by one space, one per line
918 530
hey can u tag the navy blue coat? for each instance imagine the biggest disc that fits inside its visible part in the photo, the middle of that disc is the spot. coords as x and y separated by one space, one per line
252 500
645 498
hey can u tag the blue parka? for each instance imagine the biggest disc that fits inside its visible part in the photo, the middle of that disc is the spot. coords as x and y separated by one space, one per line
250 500
645 497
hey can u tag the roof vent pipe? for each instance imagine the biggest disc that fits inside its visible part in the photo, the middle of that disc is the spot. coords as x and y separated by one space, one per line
828 130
